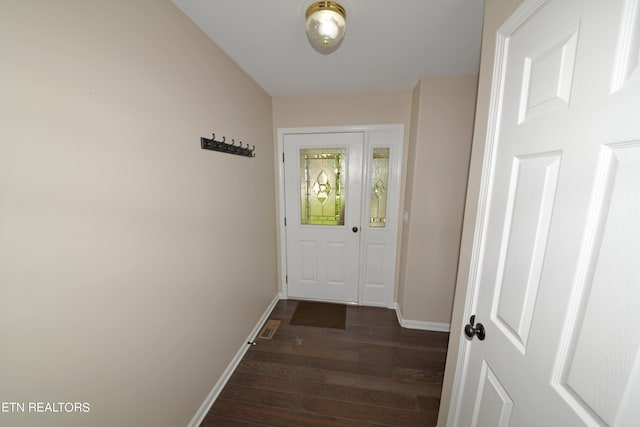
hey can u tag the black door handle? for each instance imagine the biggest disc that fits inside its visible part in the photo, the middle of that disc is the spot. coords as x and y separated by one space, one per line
471 329
354 229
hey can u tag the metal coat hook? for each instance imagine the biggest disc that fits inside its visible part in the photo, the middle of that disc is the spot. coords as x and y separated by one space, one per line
225 147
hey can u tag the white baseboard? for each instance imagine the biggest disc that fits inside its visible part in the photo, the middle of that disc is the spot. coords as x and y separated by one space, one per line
222 381
418 324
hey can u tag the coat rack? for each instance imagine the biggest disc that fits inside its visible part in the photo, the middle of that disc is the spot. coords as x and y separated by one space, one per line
225 147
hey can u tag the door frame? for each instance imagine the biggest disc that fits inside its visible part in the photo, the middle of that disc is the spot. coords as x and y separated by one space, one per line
524 12
396 168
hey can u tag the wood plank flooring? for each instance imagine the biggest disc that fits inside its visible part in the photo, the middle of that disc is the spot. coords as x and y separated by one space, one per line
373 373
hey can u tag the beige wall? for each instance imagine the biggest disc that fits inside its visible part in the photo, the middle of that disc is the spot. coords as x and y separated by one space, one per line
496 12
408 189
133 264
343 110
440 144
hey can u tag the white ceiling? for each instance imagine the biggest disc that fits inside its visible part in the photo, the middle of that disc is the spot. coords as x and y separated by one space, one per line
389 44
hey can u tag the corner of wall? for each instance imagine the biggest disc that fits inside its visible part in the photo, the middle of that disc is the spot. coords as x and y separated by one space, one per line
420 325
407 191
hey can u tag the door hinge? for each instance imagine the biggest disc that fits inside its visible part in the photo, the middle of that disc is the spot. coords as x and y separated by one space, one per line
286 279
282 157
285 221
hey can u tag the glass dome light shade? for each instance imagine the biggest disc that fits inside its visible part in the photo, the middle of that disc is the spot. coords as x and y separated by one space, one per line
326 22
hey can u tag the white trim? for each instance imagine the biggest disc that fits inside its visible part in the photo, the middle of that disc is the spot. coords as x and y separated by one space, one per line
282 230
503 34
222 381
418 324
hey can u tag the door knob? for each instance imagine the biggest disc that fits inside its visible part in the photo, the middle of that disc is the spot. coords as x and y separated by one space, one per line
472 329
354 229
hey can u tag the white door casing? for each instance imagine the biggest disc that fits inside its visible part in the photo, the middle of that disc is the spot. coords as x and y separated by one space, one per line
554 275
374 262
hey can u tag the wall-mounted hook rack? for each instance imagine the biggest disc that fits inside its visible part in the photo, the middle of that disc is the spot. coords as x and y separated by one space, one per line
225 147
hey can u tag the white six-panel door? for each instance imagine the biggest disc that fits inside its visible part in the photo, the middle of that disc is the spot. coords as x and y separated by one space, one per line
555 276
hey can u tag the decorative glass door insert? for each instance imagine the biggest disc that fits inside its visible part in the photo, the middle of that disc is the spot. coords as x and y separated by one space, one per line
322 186
379 186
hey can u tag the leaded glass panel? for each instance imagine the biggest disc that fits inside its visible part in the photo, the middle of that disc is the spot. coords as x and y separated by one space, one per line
379 185
322 186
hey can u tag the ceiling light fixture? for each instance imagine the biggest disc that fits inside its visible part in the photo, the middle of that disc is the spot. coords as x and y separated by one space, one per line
326 22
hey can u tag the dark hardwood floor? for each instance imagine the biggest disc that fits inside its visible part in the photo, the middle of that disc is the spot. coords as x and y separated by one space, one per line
373 373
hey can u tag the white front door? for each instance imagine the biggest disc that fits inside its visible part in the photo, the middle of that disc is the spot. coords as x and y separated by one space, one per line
341 204
555 277
323 188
